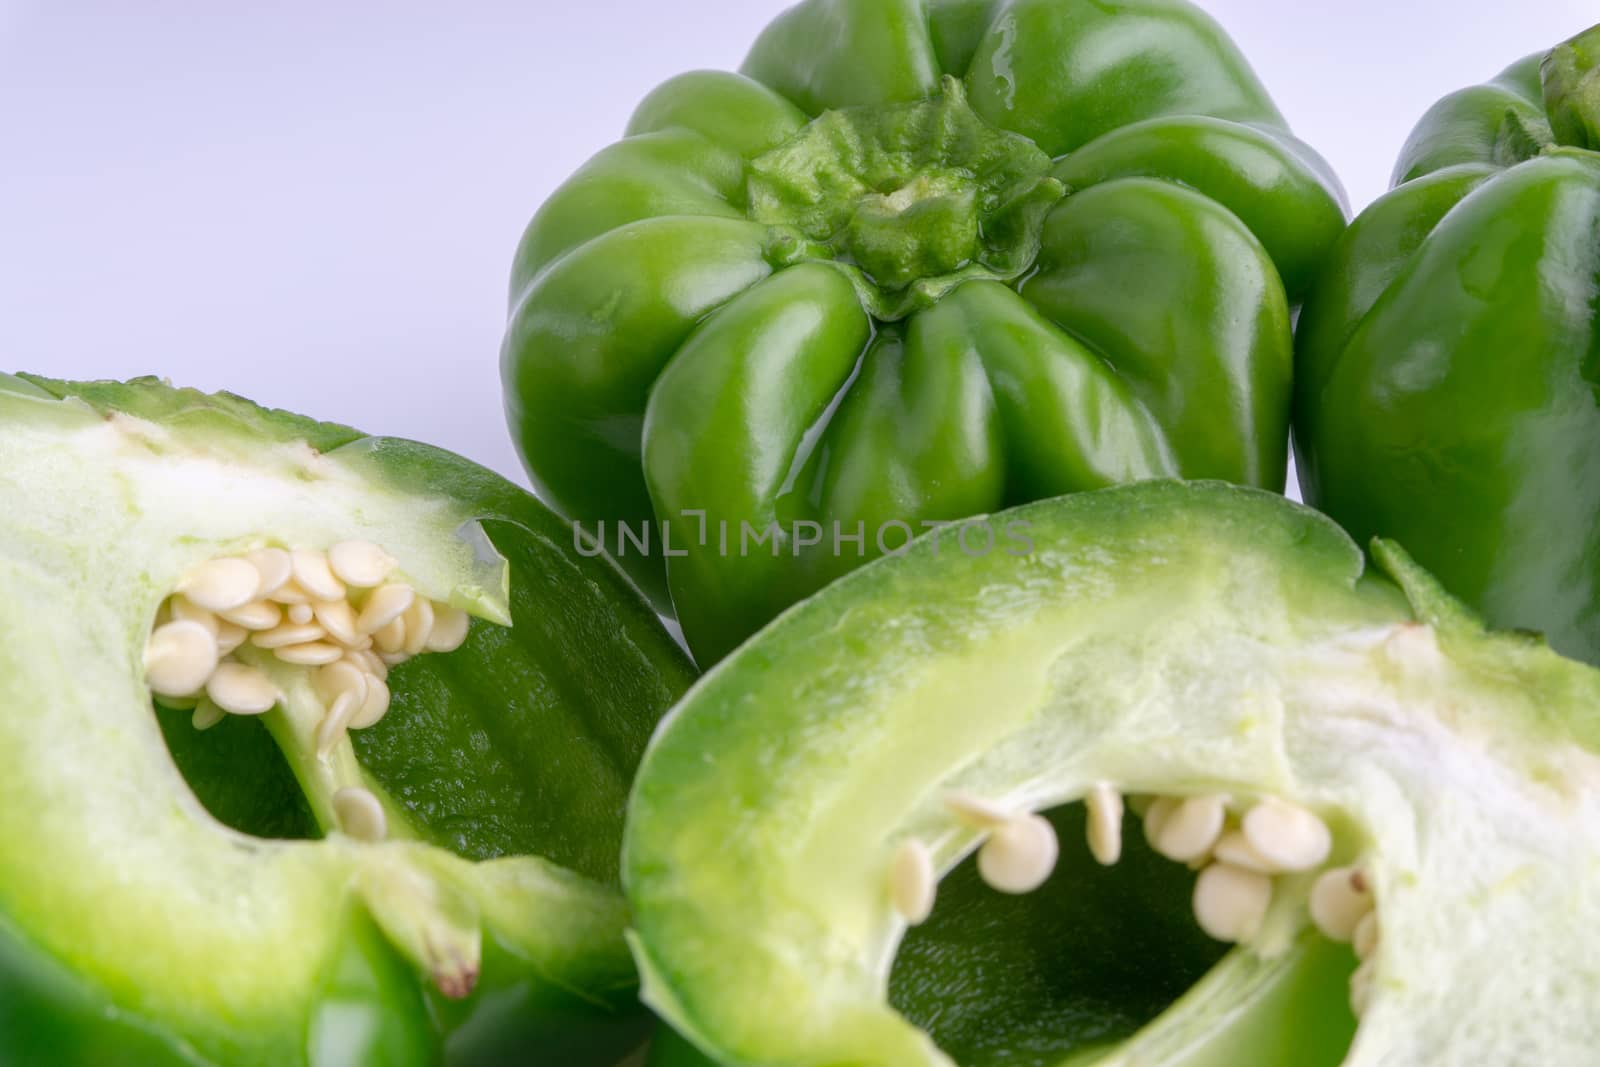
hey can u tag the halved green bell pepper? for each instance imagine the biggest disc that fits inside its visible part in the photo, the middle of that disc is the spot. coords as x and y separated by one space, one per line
169 895
1411 827
1449 359
919 260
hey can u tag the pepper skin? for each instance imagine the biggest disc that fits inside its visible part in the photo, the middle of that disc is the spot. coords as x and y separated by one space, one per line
919 260
1449 357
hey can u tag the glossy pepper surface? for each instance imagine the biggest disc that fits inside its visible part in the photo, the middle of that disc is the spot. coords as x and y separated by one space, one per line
1449 358
918 260
174 895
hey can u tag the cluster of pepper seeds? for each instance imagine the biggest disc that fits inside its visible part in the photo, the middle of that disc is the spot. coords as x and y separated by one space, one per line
335 612
1238 850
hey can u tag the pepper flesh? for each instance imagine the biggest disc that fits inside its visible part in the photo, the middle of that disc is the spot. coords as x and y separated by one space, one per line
917 262
132 919
1449 358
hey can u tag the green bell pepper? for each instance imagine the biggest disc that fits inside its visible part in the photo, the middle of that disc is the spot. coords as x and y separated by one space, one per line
919 260
1394 813
436 883
1449 357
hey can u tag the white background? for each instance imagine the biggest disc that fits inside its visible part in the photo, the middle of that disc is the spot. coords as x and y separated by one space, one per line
315 203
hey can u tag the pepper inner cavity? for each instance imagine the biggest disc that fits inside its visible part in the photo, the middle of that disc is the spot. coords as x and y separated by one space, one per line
991 976
1241 850
306 638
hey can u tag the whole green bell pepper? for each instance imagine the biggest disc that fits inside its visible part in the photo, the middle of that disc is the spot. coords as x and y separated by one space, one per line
435 886
1450 356
919 260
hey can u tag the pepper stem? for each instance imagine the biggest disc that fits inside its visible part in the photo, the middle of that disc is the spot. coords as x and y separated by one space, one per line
910 199
1571 77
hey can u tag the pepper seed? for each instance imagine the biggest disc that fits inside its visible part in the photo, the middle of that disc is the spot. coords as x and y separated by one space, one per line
912 883
241 690
1188 833
1104 807
359 814
1289 836
179 657
1230 902
1019 855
